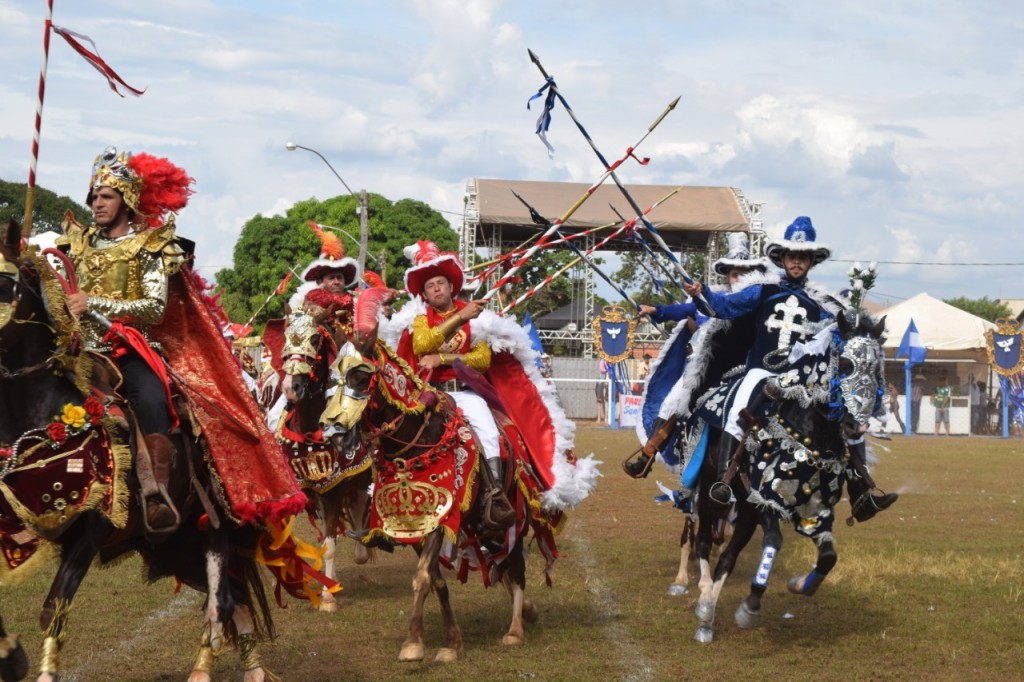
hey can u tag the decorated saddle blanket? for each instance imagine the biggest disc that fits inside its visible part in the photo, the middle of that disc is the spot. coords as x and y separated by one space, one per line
79 462
797 479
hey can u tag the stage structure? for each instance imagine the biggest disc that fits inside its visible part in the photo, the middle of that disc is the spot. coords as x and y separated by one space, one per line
695 219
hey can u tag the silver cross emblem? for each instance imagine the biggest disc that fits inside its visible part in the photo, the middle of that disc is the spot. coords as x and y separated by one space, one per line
788 322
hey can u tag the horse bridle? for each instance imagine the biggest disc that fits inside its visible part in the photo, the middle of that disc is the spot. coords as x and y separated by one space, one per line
14 273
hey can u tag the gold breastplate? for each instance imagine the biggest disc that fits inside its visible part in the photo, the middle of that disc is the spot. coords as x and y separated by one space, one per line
112 270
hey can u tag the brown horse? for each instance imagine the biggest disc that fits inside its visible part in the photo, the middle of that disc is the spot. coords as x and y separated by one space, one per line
425 488
336 479
68 484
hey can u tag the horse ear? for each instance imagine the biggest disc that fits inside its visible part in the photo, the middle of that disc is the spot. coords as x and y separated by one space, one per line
12 237
844 325
879 329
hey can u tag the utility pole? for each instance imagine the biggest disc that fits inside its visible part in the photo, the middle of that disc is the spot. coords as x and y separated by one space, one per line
363 228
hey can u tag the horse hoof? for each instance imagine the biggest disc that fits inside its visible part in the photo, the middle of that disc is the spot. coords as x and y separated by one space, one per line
411 653
328 606
361 555
677 590
704 634
529 611
513 640
198 676
446 655
745 618
705 611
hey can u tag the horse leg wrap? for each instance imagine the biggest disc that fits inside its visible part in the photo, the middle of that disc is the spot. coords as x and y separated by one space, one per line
764 569
812 581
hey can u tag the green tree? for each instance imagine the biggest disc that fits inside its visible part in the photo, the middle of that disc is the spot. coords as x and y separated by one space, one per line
553 296
639 270
269 247
983 307
48 208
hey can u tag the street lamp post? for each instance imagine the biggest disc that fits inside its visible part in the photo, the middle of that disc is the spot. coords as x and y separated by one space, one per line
361 197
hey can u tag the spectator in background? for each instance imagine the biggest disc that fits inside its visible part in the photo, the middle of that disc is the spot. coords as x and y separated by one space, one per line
941 402
916 395
894 406
979 408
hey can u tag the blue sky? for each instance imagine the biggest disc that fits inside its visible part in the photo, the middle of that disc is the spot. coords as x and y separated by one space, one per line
895 125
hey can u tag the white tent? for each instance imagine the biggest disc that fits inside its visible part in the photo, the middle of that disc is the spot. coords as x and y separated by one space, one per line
956 345
942 327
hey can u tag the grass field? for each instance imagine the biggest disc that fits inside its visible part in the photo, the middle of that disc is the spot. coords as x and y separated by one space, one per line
930 589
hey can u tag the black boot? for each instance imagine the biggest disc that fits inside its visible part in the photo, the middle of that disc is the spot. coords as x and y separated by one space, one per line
640 466
498 512
863 504
161 517
720 495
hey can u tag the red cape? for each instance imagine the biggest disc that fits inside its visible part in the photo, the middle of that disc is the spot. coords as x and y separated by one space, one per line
252 470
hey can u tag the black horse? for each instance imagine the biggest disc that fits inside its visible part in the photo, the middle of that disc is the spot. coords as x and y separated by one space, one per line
13 659
66 460
793 467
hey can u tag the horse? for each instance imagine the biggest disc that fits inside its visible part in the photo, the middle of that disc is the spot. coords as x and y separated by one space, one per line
67 482
336 479
793 466
426 488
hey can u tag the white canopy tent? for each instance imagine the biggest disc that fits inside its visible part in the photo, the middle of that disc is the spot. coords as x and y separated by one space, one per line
955 340
942 327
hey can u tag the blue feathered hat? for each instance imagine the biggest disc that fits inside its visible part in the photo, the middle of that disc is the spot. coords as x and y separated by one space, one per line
799 238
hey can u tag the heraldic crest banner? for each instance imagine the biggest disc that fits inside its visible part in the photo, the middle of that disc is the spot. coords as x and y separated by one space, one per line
1004 345
614 334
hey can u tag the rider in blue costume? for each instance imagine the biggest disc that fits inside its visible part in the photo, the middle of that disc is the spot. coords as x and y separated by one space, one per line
656 425
784 312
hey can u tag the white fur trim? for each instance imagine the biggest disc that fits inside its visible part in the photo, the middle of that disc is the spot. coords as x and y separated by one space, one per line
299 297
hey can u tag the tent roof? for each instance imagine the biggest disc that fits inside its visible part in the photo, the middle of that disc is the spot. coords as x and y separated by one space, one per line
684 219
941 326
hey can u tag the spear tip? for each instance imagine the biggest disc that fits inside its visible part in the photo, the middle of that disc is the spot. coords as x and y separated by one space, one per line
675 102
533 57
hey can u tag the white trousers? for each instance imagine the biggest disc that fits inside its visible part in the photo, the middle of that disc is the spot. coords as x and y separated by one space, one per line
478 414
733 424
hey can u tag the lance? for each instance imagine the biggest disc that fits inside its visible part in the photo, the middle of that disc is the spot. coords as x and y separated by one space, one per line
647 248
572 209
493 265
541 220
554 242
534 289
611 170
26 226
276 292
94 59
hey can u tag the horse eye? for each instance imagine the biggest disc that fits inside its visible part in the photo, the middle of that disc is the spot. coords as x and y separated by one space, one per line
358 380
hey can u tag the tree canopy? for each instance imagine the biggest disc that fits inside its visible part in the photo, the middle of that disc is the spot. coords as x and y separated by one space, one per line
48 208
983 307
645 278
269 248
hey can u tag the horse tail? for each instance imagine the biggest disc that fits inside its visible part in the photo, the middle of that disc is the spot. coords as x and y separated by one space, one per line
251 580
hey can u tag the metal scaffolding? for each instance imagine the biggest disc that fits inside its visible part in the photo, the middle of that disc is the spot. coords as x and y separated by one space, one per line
578 335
